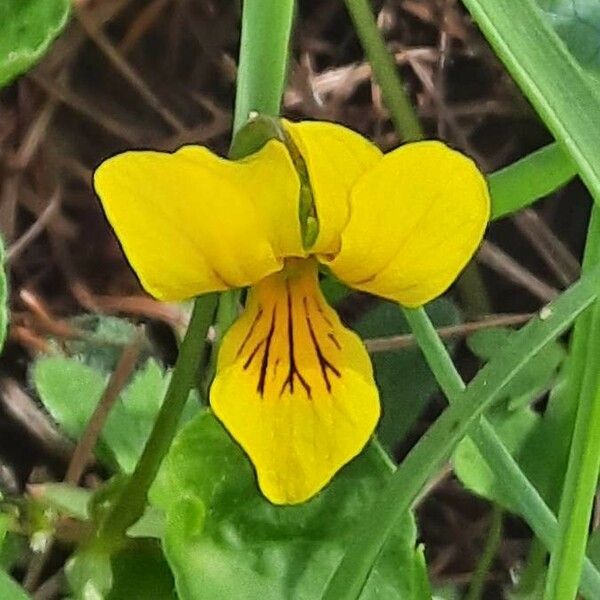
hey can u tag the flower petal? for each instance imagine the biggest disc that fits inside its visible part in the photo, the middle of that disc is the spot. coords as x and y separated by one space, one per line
416 219
191 222
335 158
294 387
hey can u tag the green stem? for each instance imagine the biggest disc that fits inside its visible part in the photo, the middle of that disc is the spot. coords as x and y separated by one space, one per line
264 46
384 70
435 353
429 453
266 29
487 556
131 503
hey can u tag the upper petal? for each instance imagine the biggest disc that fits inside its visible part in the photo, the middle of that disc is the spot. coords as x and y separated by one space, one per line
416 219
294 387
191 222
335 158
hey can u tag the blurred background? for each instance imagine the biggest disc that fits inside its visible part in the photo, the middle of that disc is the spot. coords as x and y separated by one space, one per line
161 73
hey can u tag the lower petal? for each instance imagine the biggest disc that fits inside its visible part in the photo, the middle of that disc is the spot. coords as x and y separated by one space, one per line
294 387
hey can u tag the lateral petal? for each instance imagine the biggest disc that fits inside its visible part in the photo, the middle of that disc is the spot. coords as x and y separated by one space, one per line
335 158
294 387
191 222
416 219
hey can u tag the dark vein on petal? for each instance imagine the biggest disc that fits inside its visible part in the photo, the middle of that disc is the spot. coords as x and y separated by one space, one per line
257 318
332 337
260 388
322 313
253 354
293 369
324 364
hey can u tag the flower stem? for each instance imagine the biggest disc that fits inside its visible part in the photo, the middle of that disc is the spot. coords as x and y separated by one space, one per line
266 29
131 502
262 70
385 71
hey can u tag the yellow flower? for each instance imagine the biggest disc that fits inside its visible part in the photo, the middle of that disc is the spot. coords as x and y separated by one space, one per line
293 386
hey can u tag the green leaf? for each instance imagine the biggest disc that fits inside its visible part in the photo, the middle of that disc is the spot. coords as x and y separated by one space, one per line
70 390
89 574
67 499
421 587
535 379
578 24
104 341
523 431
27 28
225 540
10 589
549 76
334 290
514 428
140 572
405 381
593 547
12 550
76 502
532 177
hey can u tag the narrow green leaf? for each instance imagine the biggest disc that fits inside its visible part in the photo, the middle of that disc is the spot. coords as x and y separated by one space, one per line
536 379
548 75
27 28
422 587
534 176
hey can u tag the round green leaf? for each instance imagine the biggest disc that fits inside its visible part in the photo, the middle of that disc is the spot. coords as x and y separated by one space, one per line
27 28
225 540
578 24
